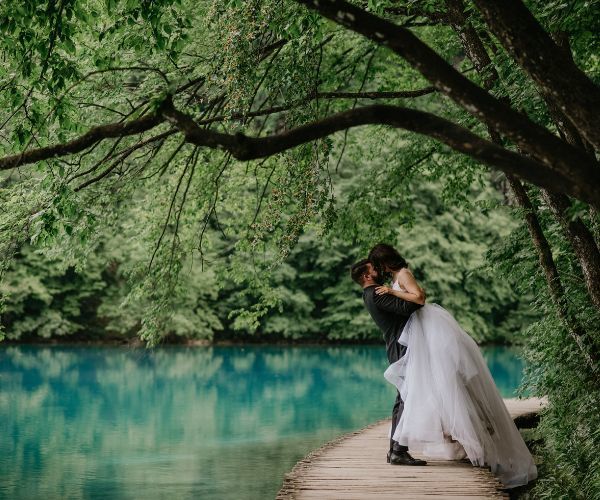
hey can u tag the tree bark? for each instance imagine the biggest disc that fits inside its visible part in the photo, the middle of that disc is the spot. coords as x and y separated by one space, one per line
460 139
579 235
529 136
471 42
477 53
582 241
556 75
595 223
557 292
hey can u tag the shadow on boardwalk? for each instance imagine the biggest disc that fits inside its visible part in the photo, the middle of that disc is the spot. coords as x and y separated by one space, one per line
353 467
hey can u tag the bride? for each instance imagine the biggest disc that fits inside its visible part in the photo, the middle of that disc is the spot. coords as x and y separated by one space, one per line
452 408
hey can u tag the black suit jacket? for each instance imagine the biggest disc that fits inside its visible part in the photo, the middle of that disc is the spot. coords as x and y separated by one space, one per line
390 314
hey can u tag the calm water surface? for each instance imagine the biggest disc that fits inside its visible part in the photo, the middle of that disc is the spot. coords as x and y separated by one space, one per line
183 423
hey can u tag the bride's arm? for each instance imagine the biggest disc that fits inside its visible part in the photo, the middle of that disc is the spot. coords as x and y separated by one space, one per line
414 293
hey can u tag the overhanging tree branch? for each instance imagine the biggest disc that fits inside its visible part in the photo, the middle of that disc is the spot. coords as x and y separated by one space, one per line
555 73
94 135
398 94
580 184
529 136
459 138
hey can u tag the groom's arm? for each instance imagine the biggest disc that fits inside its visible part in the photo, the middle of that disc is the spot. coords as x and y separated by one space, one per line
393 304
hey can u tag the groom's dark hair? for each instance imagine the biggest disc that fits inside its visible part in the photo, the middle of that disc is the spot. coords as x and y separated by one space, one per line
358 270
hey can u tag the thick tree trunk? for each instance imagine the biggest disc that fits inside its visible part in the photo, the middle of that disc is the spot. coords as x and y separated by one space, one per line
556 75
595 223
540 143
580 237
555 287
581 240
476 52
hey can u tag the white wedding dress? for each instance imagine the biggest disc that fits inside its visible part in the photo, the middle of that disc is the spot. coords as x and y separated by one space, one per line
452 408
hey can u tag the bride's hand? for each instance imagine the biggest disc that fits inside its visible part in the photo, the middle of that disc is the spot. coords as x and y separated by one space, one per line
382 290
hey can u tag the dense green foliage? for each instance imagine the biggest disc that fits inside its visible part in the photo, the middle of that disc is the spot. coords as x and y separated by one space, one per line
47 297
164 238
571 425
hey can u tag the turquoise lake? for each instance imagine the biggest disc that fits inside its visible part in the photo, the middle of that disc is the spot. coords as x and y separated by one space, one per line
184 422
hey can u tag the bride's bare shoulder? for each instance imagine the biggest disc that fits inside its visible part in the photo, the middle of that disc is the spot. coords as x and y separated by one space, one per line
406 278
405 272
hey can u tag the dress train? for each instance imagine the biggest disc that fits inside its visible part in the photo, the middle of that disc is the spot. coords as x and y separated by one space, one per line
452 407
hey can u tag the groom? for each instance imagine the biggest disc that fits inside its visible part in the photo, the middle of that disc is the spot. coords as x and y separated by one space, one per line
390 314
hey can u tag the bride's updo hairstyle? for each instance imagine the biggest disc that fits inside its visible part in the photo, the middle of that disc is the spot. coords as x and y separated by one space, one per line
383 255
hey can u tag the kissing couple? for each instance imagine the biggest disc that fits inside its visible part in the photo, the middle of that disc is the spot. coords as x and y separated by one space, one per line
447 405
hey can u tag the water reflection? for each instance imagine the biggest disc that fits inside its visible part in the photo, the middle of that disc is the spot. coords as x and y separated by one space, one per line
210 423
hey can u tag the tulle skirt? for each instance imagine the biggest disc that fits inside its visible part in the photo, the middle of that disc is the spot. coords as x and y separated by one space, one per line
452 408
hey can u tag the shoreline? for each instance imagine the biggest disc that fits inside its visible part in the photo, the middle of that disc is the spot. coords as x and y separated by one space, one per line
136 342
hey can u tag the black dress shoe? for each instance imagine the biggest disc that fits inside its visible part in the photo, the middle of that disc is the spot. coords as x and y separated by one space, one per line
403 458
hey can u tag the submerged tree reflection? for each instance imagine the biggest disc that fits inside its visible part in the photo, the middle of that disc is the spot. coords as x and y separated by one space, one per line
185 422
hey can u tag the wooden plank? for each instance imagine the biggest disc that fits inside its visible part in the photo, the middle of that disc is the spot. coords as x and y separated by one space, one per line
353 467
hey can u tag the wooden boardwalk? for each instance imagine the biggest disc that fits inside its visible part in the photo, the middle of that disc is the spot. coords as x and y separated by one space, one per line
353 467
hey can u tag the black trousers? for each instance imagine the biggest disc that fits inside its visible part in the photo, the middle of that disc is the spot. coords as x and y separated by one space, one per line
396 414
395 351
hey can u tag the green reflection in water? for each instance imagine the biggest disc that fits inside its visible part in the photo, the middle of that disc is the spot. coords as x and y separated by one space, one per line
210 423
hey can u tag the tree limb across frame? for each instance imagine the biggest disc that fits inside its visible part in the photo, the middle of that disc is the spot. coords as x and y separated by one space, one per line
81 143
551 68
245 148
528 135
458 138
132 127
